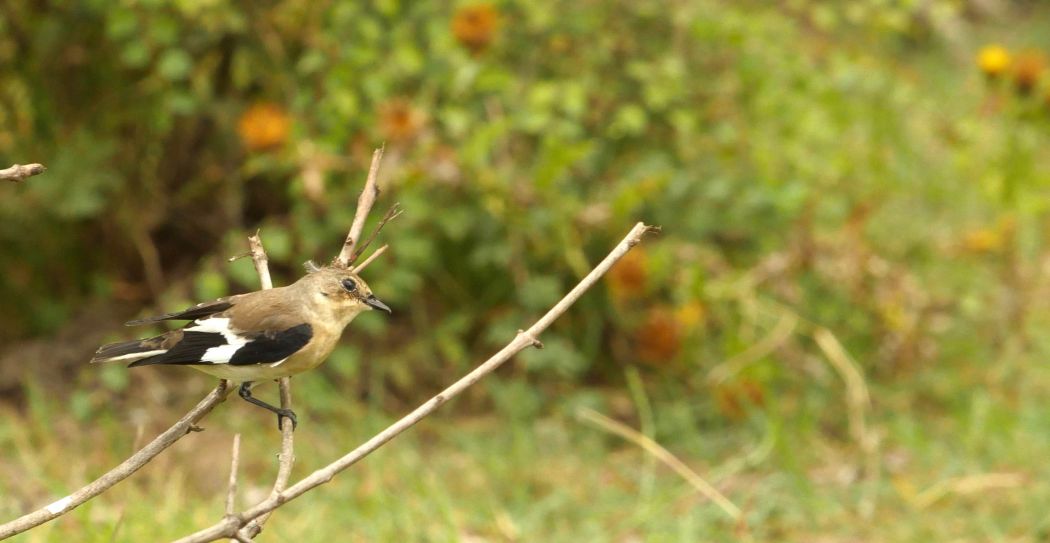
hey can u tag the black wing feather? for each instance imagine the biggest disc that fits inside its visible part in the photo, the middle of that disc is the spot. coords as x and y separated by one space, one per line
272 346
262 347
188 351
193 313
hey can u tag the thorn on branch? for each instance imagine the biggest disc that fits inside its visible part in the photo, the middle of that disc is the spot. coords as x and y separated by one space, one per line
533 340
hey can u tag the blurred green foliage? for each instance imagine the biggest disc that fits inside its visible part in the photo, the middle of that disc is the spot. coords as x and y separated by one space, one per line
814 165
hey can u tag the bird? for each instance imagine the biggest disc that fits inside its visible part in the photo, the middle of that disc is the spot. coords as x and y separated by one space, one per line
265 334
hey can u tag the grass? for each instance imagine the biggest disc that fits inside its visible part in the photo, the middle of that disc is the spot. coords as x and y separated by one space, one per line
972 470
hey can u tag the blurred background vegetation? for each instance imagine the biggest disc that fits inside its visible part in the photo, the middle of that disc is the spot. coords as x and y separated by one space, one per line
841 327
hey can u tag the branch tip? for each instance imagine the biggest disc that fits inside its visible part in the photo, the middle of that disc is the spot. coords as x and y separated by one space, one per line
18 172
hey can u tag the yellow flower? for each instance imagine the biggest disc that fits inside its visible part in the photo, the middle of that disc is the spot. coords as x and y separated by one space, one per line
264 126
993 60
475 26
691 315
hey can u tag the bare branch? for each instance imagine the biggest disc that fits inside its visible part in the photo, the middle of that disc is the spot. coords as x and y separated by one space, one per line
262 266
58 508
231 492
371 257
364 206
230 525
18 172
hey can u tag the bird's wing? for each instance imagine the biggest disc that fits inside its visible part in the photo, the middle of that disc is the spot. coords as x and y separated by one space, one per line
213 340
198 311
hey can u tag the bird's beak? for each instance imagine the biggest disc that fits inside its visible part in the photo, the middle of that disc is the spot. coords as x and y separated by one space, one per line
372 301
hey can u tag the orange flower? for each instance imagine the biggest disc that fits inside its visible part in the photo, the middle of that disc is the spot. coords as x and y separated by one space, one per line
733 398
628 278
1028 68
264 126
993 60
474 26
659 338
399 122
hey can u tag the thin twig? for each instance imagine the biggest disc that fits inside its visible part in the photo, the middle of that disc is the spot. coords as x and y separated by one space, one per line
394 212
18 172
58 508
371 257
231 492
286 458
229 526
652 447
364 206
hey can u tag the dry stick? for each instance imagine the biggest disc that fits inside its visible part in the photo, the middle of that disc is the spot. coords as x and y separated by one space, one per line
286 458
371 257
231 493
230 525
184 426
394 212
364 205
652 447
18 172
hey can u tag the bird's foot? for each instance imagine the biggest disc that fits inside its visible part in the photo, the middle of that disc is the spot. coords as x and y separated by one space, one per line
289 414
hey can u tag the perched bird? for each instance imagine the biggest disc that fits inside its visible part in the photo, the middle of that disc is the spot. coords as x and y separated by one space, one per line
266 334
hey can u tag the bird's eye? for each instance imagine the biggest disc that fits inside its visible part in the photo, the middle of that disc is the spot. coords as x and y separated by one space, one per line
349 285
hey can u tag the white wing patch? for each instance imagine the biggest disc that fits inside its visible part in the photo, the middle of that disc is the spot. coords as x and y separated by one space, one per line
219 325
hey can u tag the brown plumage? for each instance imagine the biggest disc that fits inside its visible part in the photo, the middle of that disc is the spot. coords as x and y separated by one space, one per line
264 334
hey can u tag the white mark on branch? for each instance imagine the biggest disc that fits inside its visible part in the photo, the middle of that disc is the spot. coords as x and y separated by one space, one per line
60 505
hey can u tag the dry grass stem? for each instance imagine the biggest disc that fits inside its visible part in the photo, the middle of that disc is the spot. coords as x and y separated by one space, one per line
652 447
783 330
968 485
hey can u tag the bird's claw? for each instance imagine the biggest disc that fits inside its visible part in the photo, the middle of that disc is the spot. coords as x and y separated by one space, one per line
282 413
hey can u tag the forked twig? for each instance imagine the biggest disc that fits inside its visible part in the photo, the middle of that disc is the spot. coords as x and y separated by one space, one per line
364 206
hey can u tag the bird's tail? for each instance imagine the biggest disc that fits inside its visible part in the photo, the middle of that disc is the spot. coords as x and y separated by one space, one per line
127 351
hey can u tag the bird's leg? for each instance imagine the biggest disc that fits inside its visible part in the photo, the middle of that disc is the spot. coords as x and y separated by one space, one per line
246 392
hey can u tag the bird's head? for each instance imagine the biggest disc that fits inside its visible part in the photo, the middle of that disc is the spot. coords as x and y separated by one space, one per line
341 290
